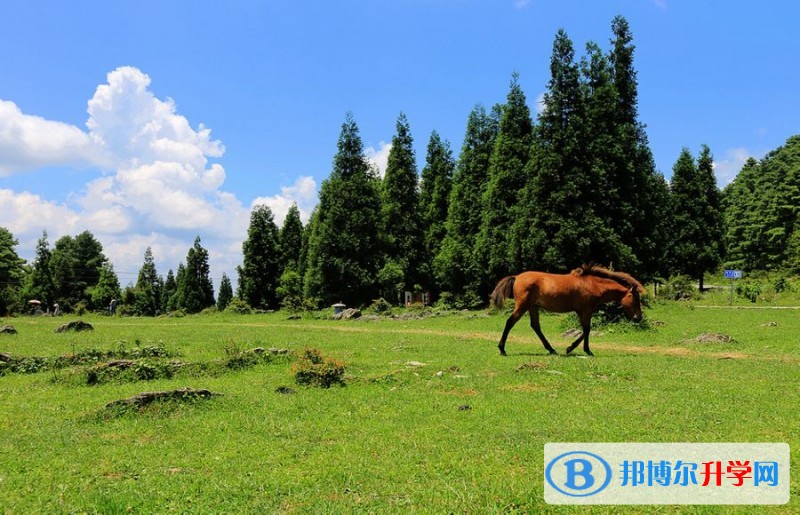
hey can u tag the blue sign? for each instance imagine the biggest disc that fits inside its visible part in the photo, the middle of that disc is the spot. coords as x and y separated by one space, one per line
733 274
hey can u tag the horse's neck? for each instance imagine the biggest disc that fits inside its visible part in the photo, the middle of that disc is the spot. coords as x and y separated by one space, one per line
611 290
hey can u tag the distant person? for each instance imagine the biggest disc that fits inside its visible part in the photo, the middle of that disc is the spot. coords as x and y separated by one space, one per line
112 308
56 309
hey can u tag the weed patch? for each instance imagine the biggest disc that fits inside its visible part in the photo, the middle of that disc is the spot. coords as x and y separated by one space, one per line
35 364
314 369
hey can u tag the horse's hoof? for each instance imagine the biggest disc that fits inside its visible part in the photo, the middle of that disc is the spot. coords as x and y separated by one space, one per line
589 353
503 353
553 353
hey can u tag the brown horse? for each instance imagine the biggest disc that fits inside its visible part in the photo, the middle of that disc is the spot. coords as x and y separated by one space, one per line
581 291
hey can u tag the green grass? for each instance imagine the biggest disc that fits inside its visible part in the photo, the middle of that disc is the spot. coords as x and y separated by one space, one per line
397 437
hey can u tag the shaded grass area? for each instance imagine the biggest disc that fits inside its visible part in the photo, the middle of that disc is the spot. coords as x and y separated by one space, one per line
395 438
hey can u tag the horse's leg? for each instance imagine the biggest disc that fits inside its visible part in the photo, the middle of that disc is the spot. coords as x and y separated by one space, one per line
585 321
513 319
534 311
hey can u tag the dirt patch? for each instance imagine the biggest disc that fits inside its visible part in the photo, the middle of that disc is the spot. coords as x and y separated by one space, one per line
525 387
533 365
713 338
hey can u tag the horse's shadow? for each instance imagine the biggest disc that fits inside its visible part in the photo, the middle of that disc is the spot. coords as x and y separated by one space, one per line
547 355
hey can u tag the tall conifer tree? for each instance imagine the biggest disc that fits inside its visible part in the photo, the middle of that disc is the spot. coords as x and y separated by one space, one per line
558 228
291 239
400 210
456 265
504 188
260 269
39 283
697 215
437 177
344 248
148 287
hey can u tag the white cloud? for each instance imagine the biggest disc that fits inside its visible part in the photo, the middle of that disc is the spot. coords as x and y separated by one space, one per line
303 192
540 103
379 157
157 188
28 142
521 4
728 167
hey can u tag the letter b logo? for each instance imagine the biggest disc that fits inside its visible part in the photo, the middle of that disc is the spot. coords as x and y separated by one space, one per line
578 474
581 470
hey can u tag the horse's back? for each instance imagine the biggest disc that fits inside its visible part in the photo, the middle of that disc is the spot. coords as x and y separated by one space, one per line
553 292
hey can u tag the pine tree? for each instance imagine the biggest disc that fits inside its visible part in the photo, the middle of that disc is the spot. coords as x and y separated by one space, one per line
697 216
633 169
260 270
344 248
195 290
168 293
148 287
225 293
456 265
558 228
290 239
107 287
39 283
400 208
437 177
504 188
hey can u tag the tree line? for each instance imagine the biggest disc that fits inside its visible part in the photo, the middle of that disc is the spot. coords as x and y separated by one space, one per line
577 184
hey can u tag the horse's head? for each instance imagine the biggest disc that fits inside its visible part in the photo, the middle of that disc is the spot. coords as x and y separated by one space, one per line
632 304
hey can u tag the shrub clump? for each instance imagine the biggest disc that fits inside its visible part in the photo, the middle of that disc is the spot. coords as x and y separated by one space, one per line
314 369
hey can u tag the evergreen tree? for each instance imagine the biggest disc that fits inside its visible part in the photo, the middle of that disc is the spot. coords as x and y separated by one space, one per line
344 250
504 188
195 292
225 292
107 287
610 201
558 227
148 287
761 211
437 177
456 265
697 215
260 270
291 240
638 185
11 271
176 300
400 208
168 293
39 283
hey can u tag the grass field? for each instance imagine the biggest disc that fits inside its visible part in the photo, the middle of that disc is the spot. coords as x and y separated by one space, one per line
431 419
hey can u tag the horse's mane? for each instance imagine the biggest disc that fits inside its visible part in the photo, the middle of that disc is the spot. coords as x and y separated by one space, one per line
601 271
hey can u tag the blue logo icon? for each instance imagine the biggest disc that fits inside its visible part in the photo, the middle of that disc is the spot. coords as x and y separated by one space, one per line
578 473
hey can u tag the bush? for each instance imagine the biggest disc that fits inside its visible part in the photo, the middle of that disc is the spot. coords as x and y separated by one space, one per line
679 287
238 307
313 369
750 290
380 307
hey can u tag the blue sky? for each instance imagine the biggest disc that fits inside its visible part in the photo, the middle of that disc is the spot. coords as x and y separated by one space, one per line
150 122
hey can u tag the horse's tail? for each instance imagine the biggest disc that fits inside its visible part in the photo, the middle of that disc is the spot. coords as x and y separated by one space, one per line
504 290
